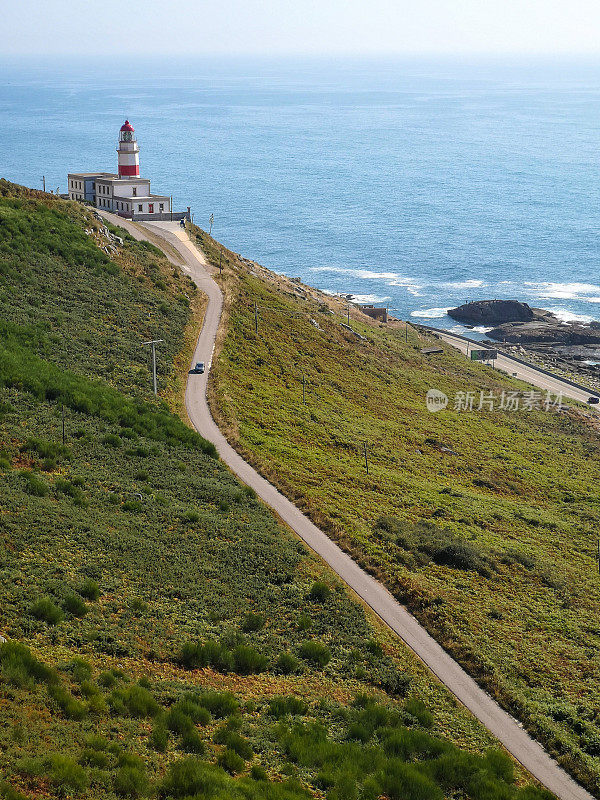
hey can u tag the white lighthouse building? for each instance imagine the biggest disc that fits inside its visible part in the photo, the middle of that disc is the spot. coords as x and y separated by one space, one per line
125 193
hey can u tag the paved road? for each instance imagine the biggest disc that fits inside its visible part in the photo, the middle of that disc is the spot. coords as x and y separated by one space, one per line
547 383
498 722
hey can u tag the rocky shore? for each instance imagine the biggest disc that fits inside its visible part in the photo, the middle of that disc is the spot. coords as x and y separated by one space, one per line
572 348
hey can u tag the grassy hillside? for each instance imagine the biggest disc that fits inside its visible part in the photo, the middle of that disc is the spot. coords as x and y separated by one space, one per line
484 523
165 636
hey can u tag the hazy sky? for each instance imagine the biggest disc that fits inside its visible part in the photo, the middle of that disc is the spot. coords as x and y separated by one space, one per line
275 27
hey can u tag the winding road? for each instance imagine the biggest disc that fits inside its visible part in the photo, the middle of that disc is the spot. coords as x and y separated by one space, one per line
179 249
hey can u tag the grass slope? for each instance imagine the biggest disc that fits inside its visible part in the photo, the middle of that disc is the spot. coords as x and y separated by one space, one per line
483 523
164 635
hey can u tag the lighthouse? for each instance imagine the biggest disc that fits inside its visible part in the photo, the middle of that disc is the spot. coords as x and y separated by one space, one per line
125 193
128 150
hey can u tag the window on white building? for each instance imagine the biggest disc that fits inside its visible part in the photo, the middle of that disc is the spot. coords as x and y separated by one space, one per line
140 207
135 191
161 206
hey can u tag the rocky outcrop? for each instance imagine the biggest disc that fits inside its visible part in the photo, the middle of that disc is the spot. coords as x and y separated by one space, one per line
548 330
492 312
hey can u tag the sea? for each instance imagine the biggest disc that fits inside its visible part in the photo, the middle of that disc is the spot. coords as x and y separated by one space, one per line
416 184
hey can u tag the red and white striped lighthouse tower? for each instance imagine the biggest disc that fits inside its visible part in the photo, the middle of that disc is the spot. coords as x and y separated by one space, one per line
128 150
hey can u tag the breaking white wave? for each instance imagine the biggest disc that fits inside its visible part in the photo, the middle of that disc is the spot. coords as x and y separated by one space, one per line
365 274
481 329
368 298
565 315
473 283
391 278
430 313
565 291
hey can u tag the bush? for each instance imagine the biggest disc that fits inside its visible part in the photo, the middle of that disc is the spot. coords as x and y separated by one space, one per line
282 706
248 661
233 741
131 782
20 667
178 721
74 605
80 669
315 653
287 664
304 622
107 679
419 711
7 792
35 485
111 440
67 775
462 555
404 782
69 705
94 758
190 776
134 701
258 773
191 742
191 707
44 609
90 590
319 592
159 738
253 622
220 704
230 761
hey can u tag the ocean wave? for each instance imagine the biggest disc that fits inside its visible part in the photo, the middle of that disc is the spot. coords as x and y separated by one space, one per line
564 291
473 283
430 313
364 274
565 315
369 298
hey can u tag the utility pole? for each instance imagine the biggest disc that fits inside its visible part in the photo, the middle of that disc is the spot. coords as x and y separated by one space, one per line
366 457
44 183
211 220
153 344
255 318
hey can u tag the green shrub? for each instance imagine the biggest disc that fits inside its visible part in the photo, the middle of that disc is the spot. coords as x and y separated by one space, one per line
8 792
90 590
319 592
191 742
315 653
253 622
248 661
178 721
230 761
111 440
69 705
94 758
66 775
80 669
73 604
282 706
220 704
462 555
133 701
107 679
304 622
159 737
419 711
190 706
191 776
404 782
232 740
258 773
131 781
20 667
35 485
44 609
287 664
